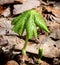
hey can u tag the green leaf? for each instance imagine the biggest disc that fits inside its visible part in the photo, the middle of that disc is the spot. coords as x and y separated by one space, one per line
29 20
31 27
40 22
16 19
19 24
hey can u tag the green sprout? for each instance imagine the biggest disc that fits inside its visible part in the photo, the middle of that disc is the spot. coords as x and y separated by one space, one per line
40 52
29 21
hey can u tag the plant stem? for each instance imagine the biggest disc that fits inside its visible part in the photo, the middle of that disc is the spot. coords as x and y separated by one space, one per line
39 61
25 45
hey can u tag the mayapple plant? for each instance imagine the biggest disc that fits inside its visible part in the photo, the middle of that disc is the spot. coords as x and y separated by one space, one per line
29 21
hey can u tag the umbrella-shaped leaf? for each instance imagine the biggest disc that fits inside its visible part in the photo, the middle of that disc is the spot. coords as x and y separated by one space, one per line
16 19
31 27
40 22
19 24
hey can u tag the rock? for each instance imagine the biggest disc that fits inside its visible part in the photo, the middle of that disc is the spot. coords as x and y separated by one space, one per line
29 4
49 50
55 35
53 26
11 62
51 45
58 44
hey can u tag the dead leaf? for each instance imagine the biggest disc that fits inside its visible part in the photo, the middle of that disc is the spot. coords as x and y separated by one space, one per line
1 9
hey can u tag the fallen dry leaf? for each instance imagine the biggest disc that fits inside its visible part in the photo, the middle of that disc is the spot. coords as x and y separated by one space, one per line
1 9
54 10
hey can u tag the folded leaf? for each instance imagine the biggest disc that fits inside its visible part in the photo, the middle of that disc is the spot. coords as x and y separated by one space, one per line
40 22
29 27
29 20
16 19
18 27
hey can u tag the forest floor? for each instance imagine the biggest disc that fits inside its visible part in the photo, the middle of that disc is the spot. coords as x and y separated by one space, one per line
11 43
